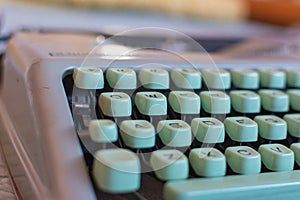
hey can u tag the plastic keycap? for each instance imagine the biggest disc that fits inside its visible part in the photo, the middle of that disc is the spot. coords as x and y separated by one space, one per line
215 102
151 103
103 130
115 104
293 78
184 102
277 157
137 133
121 78
295 147
241 129
293 124
154 78
272 78
245 78
245 101
294 95
174 133
116 170
271 127
208 130
169 164
208 162
274 100
186 78
216 78
88 78
243 160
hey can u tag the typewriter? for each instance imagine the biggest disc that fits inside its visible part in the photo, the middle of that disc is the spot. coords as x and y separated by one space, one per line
86 117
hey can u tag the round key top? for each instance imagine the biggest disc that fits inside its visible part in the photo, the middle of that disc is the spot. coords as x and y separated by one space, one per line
294 95
216 79
151 103
208 162
186 78
184 102
274 100
174 133
243 160
245 78
271 127
241 129
103 130
115 104
121 78
137 133
293 78
88 78
169 164
215 102
116 170
293 124
154 78
277 157
245 101
295 147
272 78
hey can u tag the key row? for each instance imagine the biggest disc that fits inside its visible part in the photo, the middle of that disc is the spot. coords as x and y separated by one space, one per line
118 104
138 134
156 78
118 170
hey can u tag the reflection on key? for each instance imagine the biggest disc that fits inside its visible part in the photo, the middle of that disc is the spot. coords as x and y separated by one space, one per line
154 78
103 130
241 129
151 103
137 133
277 157
274 100
271 127
116 170
293 78
186 78
208 162
216 79
272 78
115 104
293 124
174 133
245 101
208 130
121 78
294 95
215 102
184 102
295 147
245 78
169 164
243 160
88 78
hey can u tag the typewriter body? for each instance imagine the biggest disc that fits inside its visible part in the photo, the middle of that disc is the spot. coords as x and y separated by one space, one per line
41 139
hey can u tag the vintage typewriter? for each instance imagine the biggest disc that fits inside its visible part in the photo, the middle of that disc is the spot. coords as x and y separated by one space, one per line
133 117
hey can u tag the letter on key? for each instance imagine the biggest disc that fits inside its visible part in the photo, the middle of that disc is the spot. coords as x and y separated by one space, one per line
154 78
271 127
215 102
186 78
184 102
103 130
151 103
121 78
216 79
293 124
88 78
274 100
115 104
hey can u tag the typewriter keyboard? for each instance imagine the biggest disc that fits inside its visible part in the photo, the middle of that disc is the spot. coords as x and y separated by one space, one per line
153 133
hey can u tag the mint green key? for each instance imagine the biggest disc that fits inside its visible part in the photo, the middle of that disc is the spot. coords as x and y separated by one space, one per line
208 162
215 102
137 133
208 130
277 157
294 95
115 104
103 130
151 103
293 124
245 101
271 127
186 78
245 78
184 102
272 78
293 78
241 129
174 133
295 147
216 79
169 164
274 100
154 78
88 78
116 170
121 78
243 160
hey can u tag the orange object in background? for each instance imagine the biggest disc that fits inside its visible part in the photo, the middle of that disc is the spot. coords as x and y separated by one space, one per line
281 12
